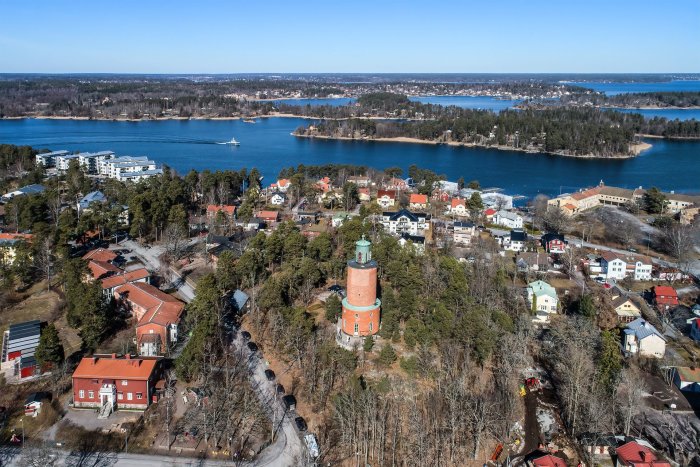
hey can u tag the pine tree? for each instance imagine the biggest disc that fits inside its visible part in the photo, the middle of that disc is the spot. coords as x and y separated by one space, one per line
50 349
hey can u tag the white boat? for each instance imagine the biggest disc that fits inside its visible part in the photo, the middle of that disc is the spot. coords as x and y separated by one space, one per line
233 142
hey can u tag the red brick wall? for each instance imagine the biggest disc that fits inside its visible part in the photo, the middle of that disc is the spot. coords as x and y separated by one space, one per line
88 384
362 286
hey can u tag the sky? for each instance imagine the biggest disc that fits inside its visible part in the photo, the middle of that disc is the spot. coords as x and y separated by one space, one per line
358 36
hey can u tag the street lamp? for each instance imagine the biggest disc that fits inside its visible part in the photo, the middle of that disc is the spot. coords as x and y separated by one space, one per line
22 420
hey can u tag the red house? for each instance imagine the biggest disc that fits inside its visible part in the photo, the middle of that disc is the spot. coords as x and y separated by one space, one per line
214 209
157 314
549 461
634 454
665 297
109 382
100 254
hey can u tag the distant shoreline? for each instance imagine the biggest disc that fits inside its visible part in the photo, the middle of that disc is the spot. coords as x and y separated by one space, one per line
635 148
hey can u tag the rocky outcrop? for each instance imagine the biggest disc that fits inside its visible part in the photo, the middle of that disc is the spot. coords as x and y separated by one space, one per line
675 434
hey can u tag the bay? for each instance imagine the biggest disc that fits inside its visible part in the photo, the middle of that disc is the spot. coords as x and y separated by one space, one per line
465 102
670 114
268 145
613 88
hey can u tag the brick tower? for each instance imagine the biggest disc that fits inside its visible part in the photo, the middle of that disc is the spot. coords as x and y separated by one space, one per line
360 306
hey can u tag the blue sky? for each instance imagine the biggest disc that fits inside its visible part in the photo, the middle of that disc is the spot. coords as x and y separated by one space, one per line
55 36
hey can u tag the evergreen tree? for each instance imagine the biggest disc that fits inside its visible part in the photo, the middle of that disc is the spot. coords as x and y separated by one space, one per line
387 355
50 349
333 308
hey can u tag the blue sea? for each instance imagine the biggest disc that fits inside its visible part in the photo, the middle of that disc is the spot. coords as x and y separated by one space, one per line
195 144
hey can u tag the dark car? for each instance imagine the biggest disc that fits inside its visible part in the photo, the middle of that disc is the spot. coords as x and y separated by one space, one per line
300 423
253 347
270 375
280 389
245 335
289 401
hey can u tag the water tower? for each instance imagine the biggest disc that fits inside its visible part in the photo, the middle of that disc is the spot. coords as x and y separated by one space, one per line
360 316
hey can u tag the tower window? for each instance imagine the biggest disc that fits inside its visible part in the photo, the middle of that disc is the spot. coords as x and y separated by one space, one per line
370 327
357 328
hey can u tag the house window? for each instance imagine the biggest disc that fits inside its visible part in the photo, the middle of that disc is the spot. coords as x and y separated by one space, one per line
91 394
139 395
129 396
125 382
81 394
120 395
94 381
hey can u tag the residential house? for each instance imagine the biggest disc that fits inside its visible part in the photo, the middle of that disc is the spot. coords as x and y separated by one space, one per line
640 337
109 383
553 243
664 297
339 219
395 184
463 232
157 316
360 180
489 213
268 217
543 300
533 261
93 197
9 242
618 266
508 219
240 300
19 343
110 283
364 194
458 207
405 221
278 198
418 241
625 309
23 191
418 201
440 195
497 200
227 210
515 240
695 329
548 461
687 379
634 454
324 184
386 198
250 225
282 185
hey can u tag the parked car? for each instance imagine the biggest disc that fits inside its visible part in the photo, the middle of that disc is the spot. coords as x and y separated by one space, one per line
289 402
245 335
253 347
280 389
270 375
599 279
300 423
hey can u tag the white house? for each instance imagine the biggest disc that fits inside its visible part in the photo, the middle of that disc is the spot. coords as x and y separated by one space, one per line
93 197
458 207
48 159
543 300
515 240
463 232
386 198
618 266
508 219
405 221
278 198
418 242
642 338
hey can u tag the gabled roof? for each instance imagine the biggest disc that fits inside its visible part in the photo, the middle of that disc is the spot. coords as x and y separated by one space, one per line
268 215
417 239
100 254
92 197
490 212
508 215
463 224
549 461
635 454
642 329
621 300
121 279
548 237
541 288
12 238
101 268
404 212
416 198
518 235
457 202
215 208
160 307
388 193
109 367
664 290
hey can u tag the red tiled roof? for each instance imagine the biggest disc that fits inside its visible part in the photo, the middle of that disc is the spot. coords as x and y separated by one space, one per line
100 254
99 268
490 212
570 207
160 307
121 279
115 368
388 193
585 194
457 202
214 208
634 454
282 182
268 215
418 199
16 236
549 461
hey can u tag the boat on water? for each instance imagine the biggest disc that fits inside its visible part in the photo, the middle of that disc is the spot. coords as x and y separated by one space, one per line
249 120
233 142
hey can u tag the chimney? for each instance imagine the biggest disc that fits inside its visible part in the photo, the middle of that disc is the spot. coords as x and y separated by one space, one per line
128 356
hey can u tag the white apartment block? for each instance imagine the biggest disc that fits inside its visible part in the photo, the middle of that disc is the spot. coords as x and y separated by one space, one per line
618 266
